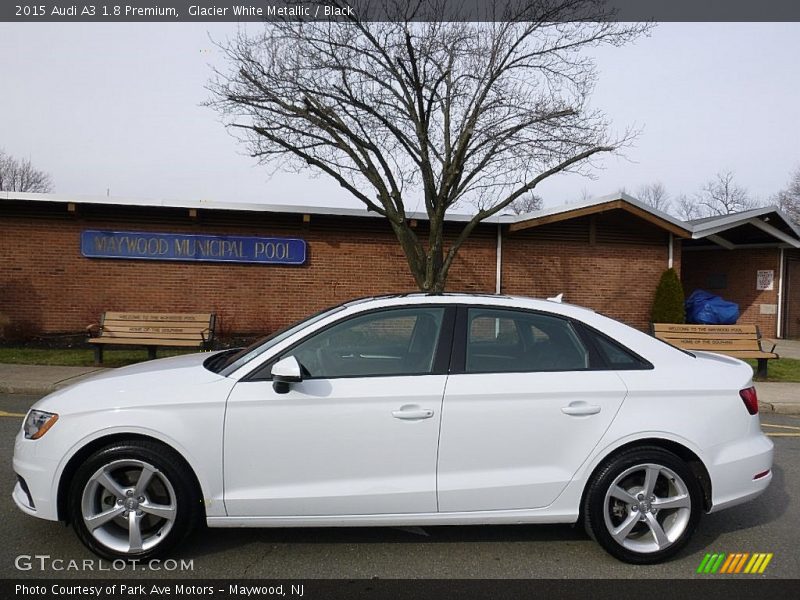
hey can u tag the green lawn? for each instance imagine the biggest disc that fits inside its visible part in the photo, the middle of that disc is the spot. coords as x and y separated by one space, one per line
79 357
782 369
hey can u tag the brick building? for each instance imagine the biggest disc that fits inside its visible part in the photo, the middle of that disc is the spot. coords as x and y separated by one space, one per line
752 258
59 270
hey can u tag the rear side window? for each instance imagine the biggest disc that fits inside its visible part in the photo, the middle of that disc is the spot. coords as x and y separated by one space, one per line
615 355
493 329
506 341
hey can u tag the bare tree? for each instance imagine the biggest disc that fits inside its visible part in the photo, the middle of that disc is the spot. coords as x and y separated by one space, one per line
686 208
19 175
655 195
526 204
788 199
585 195
722 196
421 107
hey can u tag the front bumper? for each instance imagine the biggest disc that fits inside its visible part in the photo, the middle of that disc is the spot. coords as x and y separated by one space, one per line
39 475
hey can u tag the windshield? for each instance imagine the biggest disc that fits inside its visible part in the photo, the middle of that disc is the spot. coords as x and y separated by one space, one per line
235 359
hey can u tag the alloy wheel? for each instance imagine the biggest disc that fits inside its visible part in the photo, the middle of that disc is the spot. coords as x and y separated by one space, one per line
647 508
129 506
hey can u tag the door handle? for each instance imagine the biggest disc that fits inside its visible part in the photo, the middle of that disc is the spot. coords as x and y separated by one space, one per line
577 409
412 413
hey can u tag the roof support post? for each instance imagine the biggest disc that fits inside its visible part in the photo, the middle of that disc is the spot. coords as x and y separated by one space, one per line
499 261
670 260
779 317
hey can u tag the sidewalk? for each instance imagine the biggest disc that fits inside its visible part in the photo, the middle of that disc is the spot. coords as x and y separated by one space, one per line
787 348
782 398
39 380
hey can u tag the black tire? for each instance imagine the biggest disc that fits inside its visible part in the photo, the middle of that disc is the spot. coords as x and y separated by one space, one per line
628 471
104 490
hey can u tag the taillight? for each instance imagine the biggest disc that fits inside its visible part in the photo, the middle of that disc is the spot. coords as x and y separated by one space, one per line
750 399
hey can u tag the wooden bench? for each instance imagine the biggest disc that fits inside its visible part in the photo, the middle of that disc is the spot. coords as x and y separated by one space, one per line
738 341
183 330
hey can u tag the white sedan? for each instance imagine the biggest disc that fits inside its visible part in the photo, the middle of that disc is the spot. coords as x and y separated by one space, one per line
404 410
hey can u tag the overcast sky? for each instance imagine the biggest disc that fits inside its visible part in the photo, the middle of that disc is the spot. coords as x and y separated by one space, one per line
117 107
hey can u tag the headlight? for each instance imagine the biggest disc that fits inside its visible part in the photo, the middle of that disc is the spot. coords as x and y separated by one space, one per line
37 423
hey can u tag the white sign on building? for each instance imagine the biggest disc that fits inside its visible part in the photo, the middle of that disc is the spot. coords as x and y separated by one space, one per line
765 280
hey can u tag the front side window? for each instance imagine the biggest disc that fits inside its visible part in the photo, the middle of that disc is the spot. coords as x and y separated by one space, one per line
391 342
237 359
507 341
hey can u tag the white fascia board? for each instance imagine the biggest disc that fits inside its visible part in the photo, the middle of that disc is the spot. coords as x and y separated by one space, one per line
709 231
730 221
774 232
750 217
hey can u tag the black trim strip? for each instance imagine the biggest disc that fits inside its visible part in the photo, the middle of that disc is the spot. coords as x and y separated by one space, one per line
458 356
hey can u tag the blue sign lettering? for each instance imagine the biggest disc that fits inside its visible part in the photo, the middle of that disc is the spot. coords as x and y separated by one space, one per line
205 248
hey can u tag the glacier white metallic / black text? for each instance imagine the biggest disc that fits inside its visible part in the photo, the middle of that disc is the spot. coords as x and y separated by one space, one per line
404 410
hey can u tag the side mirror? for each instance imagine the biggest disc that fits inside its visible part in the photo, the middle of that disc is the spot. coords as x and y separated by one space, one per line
284 372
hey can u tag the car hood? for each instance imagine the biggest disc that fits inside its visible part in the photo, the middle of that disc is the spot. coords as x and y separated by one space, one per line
165 380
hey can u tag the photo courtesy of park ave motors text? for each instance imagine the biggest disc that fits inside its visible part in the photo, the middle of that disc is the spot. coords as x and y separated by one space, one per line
413 290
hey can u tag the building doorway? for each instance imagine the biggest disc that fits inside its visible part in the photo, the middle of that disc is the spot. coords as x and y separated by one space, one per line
791 319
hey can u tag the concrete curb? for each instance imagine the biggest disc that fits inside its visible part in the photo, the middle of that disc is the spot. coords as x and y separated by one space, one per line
779 408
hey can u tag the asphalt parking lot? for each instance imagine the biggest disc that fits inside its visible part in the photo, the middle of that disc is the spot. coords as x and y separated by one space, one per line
768 524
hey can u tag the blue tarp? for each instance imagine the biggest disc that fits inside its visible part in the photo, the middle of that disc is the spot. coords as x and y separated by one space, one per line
704 308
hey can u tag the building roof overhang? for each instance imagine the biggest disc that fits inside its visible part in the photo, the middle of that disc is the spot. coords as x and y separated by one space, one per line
757 228
622 202
760 227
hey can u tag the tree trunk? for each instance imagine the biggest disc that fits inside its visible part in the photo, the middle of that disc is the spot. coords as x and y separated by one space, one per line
414 253
427 267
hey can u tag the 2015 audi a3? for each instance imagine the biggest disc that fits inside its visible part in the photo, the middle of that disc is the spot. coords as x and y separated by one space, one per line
404 410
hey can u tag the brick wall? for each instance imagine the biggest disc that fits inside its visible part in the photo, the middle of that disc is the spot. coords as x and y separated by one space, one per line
47 282
736 271
610 262
612 266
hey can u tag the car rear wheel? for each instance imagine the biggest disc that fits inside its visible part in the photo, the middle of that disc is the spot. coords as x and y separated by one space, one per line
643 505
133 500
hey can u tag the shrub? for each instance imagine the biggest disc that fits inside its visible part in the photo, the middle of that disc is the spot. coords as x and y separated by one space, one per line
668 302
21 332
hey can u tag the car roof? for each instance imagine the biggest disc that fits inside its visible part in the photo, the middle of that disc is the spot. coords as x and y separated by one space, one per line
476 299
645 345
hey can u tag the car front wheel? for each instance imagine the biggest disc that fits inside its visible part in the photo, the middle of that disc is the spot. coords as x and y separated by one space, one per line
643 505
132 500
